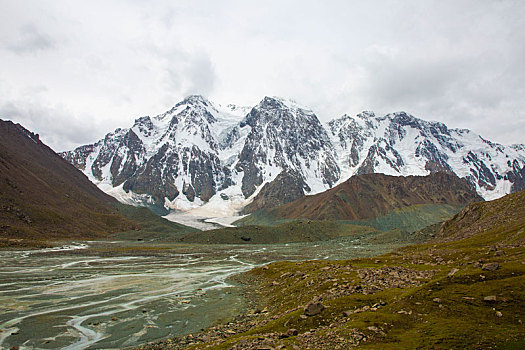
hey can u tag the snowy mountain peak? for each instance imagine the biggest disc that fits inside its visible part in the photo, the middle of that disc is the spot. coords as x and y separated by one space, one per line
200 154
363 115
195 99
401 144
285 137
283 103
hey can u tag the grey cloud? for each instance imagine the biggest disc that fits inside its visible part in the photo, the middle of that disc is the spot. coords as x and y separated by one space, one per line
459 62
201 76
31 40
58 128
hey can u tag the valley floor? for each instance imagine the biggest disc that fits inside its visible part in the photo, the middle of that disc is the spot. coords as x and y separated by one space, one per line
115 294
431 296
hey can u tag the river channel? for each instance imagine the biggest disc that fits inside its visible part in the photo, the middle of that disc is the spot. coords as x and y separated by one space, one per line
92 295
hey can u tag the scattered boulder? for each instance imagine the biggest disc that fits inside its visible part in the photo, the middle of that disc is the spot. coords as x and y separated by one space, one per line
373 329
437 300
490 266
246 239
490 299
292 332
499 314
313 309
347 313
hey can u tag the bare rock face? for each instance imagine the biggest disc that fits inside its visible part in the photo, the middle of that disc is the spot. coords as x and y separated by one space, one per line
287 136
490 266
286 188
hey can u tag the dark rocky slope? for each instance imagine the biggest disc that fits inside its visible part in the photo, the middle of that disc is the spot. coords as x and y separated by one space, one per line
285 188
43 197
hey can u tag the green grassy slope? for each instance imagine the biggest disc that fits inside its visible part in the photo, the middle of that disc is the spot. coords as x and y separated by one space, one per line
410 218
295 231
437 295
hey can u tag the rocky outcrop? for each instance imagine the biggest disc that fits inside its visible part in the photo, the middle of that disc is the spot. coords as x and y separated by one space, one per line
286 188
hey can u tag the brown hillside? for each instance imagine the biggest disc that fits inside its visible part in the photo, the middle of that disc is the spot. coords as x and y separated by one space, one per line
506 214
45 197
285 188
371 195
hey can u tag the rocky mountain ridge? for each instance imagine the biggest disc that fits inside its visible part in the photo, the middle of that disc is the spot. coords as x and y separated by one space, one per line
207 156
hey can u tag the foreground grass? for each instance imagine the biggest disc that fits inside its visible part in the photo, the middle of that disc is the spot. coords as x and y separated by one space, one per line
413 298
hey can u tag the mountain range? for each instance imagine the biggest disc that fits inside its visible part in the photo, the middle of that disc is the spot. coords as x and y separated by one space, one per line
221 158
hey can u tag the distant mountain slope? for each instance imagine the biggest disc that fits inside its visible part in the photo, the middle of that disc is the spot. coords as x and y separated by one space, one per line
43 197
501 221
372 195
202 154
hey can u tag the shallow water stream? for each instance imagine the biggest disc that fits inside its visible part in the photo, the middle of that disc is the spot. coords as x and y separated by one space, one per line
119 294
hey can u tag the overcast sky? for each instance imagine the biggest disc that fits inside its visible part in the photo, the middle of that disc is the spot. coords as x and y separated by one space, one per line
74 70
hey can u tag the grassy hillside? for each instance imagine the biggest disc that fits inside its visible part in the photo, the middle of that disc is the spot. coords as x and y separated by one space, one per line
294 231
409 219
464 290
412 218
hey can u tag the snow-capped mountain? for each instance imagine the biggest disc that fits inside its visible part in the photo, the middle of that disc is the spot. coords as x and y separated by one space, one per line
201 154
285 136
400 144
199 150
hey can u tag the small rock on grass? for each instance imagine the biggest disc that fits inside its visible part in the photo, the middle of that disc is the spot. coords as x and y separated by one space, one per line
490 266
313 309
490 299
292 332
452 272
